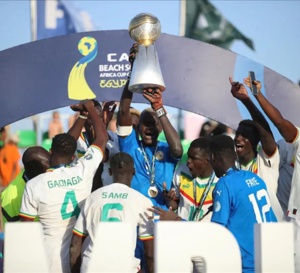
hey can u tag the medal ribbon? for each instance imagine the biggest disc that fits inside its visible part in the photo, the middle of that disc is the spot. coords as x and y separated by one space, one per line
204 195
151 169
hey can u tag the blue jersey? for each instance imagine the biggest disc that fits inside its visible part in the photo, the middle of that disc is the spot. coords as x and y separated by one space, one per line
240 200
164 166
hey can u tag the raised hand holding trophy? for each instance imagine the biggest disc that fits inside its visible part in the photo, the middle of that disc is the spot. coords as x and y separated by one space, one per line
145 28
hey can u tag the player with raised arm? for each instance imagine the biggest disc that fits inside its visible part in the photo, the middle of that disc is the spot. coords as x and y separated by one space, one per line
57 195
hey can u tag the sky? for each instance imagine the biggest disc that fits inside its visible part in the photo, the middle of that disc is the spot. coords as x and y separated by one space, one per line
272 25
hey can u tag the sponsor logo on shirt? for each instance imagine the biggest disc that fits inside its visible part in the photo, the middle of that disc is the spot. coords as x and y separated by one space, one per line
217 206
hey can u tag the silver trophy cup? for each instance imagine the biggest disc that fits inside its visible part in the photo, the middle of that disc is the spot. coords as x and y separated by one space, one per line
145 28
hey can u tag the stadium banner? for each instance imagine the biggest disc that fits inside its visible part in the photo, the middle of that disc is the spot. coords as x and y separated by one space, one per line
57 72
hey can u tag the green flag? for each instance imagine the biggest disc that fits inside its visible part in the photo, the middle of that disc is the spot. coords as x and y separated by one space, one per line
205 23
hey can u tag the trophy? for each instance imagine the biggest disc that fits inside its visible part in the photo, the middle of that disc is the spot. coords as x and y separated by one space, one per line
145 28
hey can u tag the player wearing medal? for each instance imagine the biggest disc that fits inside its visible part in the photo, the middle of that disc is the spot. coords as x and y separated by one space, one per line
57 195
194 182
154 161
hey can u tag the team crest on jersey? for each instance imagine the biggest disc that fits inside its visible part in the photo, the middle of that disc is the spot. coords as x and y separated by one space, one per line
88 156
217 206
159 155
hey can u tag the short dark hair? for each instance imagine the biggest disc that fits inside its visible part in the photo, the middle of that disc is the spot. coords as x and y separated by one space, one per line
202 143
34 160
121 161
222 145
64 145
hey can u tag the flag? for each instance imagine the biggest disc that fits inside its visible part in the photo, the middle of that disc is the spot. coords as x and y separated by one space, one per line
57 17
205 23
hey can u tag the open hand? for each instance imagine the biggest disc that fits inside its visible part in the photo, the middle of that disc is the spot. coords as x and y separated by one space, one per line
238 90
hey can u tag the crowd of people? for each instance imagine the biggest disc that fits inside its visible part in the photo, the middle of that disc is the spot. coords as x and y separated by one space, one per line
95 174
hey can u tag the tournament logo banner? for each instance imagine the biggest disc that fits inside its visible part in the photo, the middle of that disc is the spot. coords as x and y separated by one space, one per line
57 72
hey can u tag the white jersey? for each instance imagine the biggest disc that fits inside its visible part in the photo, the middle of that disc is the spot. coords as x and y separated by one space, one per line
286 169
101 204
56 197
267 168
112 146
188 189
294 201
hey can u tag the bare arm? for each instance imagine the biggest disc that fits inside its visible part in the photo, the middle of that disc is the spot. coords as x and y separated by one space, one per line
285 127
124 115
101 136
172 137
109 108
75 251
23 219
239 91
76 128
149 255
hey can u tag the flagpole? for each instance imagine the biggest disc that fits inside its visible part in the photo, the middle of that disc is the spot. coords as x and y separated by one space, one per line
182 17
33 30
182 22
33 22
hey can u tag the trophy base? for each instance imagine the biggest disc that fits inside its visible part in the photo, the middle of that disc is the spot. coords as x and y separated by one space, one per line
139 88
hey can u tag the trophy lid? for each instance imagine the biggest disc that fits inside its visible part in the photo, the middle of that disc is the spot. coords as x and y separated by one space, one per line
144 28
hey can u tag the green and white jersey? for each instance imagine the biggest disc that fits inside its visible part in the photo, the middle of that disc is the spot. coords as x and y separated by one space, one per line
56 197
114 203
189 191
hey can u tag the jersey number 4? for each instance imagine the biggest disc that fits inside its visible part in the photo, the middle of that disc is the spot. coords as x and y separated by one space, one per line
65 211
260 212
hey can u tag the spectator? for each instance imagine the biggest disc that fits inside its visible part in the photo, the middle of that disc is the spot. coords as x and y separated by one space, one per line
55 125
57 195
212 128
98 208
9 158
